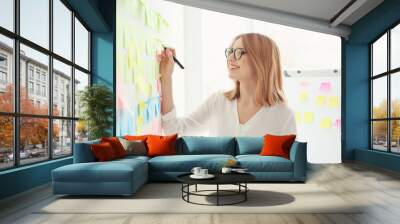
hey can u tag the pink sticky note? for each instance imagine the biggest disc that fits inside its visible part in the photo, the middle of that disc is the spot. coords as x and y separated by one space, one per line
304 84
325 87
337 123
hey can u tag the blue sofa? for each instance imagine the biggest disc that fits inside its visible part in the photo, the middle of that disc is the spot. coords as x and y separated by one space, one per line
125 176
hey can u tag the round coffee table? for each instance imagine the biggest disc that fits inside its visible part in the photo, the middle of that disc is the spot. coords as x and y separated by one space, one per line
238 179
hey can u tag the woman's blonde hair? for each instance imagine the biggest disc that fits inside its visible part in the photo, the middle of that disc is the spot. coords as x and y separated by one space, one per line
265 62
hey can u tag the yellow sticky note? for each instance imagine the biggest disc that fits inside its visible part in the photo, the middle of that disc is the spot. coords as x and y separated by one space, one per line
325 123
298 117
308 117
142 106
320 100
333 102
303 96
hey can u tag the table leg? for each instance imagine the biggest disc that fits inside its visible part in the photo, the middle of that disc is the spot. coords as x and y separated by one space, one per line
196 188
245 193
217 194
188 189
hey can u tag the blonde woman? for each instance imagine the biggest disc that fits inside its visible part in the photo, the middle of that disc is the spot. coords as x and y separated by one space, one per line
254 107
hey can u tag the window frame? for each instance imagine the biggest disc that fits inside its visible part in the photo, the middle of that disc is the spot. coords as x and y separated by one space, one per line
16 115
388 74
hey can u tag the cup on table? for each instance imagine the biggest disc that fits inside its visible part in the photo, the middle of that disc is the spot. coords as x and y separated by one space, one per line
203 172
196 171
226 170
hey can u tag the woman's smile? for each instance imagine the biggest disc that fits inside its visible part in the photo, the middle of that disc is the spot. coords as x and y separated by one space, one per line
233 67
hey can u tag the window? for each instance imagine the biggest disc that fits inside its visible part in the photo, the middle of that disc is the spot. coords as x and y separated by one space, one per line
6 142
61 74
35 21
7 14
81 45
30 87
30 72
41 83
3 78
81 81
37 74
385 98
62 31
6 73
3 61
44 91
37 89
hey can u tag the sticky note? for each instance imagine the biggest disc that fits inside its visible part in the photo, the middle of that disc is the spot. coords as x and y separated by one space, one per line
320 100
337 123
298 117
308 117
333 102
325 123
303 96
325 87
303 84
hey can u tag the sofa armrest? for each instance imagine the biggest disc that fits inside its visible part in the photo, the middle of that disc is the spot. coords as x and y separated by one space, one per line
298 155
83 152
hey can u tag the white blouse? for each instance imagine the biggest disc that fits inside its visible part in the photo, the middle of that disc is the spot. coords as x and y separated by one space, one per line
219 116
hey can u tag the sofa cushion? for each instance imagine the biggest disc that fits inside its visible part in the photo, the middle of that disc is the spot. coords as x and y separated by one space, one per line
277 145
103 152
116 145
159 145
257 163
196 145
249 145
185 163
134 147
111 171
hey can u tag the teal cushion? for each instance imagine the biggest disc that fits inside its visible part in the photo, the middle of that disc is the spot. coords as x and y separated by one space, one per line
185 163
257 163
110 171
195 145
249 145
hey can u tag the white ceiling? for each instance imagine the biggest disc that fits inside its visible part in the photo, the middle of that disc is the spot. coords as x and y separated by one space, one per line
316 15
320 9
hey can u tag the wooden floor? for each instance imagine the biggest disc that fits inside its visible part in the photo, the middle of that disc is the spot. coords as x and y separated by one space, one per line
378 188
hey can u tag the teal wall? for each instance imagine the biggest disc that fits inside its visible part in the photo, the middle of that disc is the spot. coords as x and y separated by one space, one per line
355 54
24 178
99 15
103 59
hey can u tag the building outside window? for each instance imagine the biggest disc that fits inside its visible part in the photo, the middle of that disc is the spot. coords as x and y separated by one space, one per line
34 75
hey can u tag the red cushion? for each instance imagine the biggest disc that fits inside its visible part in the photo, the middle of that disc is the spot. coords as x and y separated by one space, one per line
116 145
103 151
277 145
161 145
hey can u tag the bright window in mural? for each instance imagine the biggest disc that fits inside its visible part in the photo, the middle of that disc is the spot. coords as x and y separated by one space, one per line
385 97
311 60
47 83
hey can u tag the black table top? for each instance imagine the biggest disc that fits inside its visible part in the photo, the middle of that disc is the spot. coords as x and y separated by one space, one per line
220 178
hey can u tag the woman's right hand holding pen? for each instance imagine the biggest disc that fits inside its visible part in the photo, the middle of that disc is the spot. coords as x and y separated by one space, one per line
166 60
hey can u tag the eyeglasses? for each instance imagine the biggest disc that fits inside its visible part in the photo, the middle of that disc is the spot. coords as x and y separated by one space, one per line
237 52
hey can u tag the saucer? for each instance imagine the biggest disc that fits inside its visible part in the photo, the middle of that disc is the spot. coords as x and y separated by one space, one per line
208 176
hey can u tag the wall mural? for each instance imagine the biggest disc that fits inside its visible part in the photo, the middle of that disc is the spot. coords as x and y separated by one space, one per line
140 31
